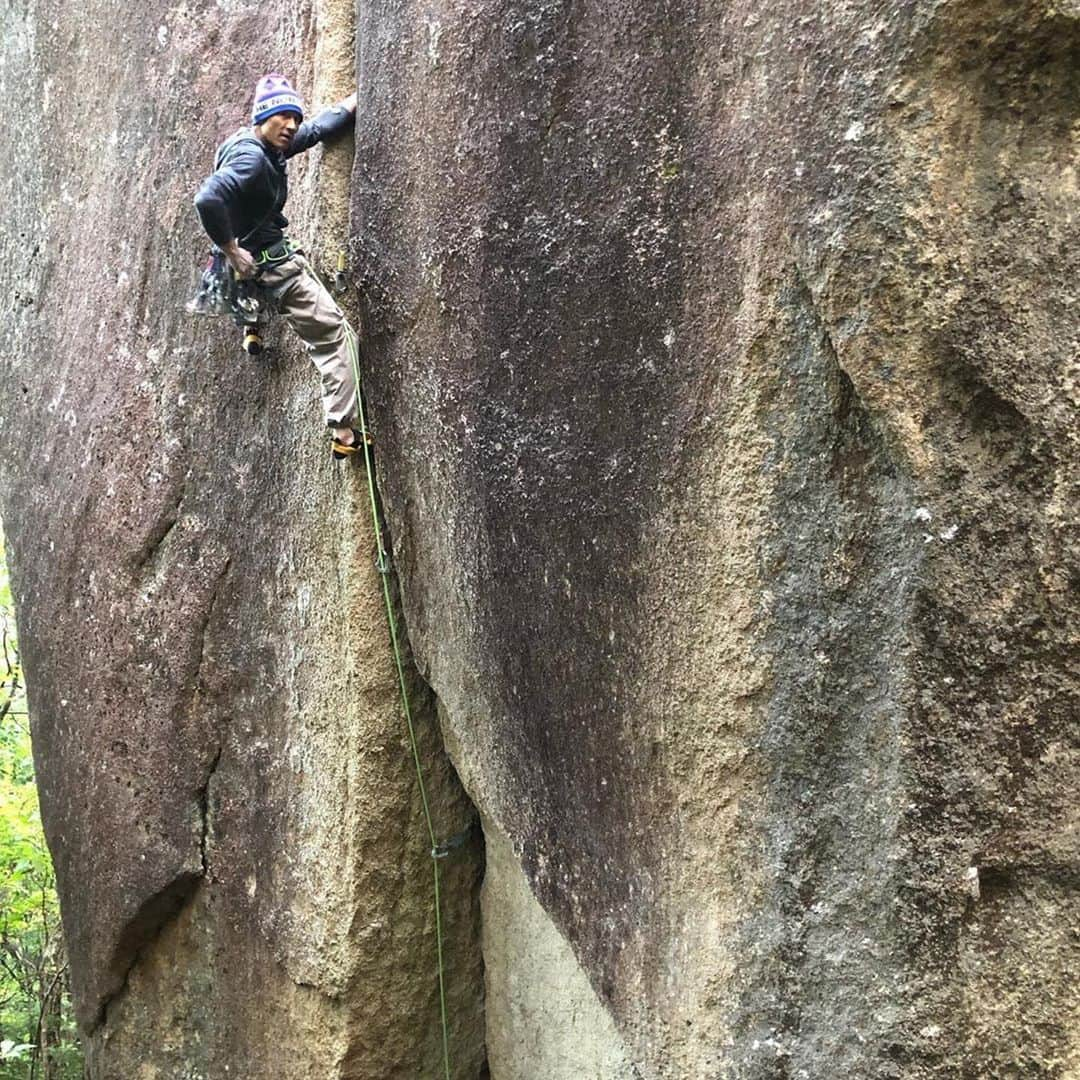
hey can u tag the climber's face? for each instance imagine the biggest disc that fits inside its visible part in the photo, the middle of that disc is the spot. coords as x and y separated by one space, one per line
277 131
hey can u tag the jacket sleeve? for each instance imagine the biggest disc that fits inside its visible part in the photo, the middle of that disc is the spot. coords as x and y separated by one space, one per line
218 199
327 125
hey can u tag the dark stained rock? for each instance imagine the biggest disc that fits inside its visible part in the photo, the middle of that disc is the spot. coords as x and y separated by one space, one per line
724 354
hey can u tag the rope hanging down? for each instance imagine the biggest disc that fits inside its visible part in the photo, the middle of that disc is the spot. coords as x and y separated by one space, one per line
383 566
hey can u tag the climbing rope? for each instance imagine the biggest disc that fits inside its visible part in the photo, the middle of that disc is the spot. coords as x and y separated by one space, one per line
382 564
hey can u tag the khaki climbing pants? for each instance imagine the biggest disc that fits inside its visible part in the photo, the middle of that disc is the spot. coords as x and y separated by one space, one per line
310 310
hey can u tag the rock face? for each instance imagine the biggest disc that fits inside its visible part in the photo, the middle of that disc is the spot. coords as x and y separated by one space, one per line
724 376
736 341
225 777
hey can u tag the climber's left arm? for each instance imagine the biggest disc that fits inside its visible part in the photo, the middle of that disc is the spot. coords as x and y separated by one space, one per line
327 125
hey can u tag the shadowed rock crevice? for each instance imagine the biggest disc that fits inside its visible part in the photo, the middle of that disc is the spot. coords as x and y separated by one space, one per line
205 806
149 922
459 838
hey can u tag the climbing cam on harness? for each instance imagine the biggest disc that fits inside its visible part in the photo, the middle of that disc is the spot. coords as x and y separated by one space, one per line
221 292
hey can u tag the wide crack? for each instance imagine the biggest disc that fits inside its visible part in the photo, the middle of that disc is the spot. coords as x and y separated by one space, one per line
459 848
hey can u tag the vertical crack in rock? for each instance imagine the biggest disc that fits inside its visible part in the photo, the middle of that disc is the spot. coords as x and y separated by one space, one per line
203 631
459 834
454 816
204 807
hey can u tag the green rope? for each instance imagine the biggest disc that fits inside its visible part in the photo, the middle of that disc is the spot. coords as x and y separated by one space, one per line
383 566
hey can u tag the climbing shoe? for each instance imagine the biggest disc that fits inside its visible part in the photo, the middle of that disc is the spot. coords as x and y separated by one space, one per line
253 342
341 451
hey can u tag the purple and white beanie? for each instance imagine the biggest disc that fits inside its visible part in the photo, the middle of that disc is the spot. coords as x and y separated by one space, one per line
275 94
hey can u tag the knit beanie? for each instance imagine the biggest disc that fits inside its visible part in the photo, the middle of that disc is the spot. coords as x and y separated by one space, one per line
275 94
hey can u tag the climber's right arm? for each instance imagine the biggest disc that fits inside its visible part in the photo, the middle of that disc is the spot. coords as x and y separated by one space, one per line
240 259
220 197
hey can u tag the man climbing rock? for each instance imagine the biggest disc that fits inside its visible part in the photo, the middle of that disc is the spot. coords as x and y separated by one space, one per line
240 207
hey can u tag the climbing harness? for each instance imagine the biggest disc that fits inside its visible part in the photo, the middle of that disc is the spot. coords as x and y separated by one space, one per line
382 564
221 292
276 253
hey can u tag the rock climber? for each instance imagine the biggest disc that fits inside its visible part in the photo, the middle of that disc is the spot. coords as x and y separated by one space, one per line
240 206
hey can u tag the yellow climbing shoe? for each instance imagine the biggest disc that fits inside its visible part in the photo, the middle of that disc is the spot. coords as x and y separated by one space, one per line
342 450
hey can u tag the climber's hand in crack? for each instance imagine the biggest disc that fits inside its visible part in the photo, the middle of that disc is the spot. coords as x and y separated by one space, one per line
240 260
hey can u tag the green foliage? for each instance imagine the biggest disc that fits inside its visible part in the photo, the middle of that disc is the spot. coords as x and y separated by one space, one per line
37 1032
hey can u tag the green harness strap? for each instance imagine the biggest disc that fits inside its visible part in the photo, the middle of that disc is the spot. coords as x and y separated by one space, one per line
383 566
276 253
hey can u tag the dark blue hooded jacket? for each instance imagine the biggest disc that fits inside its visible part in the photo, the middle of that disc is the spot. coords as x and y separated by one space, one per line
244 197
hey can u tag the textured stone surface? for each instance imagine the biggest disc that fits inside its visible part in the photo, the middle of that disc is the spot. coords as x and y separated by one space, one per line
726 357
724 365
225 778
547 1021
